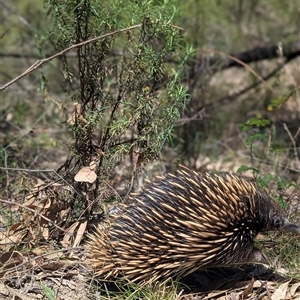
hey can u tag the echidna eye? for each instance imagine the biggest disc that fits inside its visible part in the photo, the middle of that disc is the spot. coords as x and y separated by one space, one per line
277 222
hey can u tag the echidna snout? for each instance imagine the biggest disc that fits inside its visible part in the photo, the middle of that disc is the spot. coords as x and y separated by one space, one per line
182 223
289 227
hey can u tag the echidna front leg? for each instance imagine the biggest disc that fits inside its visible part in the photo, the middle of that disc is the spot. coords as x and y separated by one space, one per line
257 255
249 254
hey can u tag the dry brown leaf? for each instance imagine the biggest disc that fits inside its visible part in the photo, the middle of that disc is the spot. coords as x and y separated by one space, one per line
12 236
45 233
69 233
93 165
214 295
85 174
3 220
27 217
38 250
280 292
15 227
63 213
77 116
40 183
44 204
294 288
30 200
248 290
3 290
42 250
80 233
34 232
11 258
257 284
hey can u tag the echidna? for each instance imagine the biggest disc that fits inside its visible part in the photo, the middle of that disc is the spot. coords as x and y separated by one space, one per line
182 223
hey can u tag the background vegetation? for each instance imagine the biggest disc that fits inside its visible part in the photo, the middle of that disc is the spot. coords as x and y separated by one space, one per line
86 128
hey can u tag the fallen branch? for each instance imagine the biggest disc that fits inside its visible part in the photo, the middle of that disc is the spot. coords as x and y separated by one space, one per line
39 63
